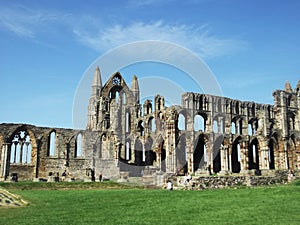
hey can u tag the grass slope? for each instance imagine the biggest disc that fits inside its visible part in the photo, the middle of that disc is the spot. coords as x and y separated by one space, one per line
263 205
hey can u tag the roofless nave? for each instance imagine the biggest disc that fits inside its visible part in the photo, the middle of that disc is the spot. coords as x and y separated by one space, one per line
205 132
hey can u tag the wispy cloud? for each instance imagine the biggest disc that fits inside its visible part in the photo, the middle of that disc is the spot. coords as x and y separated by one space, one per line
91 31
197 38
26 22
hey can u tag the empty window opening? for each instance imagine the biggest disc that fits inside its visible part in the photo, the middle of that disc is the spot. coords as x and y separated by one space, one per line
21 148
127 151
124 98
52 143
78 146
233 128
236 157
181 122
117 97
215 127
253 155
199 123
250 130
271 154
200 154
127 122
152 125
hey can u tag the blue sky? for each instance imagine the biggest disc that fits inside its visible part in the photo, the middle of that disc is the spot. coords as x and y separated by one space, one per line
252 47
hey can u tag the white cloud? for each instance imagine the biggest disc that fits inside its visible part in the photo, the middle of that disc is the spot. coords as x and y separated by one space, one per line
25 22
100 36
197 38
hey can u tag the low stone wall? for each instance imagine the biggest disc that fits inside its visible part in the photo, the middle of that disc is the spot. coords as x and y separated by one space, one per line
215 182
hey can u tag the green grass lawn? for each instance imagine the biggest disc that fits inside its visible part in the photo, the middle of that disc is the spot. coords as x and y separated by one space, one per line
112 204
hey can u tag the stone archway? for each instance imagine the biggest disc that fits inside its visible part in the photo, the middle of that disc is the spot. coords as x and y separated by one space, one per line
236 156
200 153
253 155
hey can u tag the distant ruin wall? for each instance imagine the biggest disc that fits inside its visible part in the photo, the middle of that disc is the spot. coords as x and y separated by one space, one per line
217 182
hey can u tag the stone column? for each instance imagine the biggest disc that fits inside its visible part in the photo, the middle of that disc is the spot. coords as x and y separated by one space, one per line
229 158
4 173
224 159
264 159
244 155
286 156
190 158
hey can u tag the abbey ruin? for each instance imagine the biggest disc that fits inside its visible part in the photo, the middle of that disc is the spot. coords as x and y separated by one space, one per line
205 134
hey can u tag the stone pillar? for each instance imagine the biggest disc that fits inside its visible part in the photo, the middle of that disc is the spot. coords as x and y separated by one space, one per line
4 173
224 159
190 162
286 156
209 157
264 159
229 158
244 155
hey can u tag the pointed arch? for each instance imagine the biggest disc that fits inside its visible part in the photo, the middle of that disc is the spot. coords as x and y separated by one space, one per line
181 122
216 154
199 122
52 143
253 154
181 155
271 152
127 121
236 156
138 152
150 155
124 98
79 145
199 153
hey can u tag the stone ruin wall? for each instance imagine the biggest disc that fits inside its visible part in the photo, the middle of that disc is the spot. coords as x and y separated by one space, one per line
170 149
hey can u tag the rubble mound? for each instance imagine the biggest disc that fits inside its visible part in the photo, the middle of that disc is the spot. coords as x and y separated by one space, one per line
8 199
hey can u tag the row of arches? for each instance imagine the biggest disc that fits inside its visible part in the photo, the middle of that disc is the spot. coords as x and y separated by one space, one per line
221 153
203 102
218 126
22 142
134 151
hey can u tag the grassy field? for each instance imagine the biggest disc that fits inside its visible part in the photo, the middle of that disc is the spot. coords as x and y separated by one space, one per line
113 204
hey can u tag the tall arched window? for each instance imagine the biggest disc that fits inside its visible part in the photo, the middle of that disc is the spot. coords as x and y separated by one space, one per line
78 145
117 97
52 144
21 148
124 98
181 122
127 122
127 151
